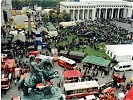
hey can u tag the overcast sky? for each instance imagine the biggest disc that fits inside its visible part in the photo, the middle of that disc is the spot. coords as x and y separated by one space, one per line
100 0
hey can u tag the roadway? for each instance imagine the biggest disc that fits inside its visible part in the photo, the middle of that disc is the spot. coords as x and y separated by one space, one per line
123 25
14 90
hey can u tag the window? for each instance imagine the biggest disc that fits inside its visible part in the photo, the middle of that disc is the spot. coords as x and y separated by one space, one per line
128 65
114 57
108 52
124 66
120 66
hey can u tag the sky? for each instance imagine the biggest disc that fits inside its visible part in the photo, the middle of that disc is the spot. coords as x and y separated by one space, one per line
100 0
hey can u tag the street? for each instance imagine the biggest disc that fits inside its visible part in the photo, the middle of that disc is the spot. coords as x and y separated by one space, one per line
14 90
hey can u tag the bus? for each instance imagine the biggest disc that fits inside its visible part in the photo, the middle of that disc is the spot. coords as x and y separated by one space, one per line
77 56
80 89
66 62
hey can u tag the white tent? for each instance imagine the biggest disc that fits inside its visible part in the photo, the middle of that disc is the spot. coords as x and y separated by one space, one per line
19 19
53 33
121 53
15 32
66 24
20 37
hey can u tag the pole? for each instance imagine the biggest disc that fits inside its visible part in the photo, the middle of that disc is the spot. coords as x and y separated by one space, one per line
29 25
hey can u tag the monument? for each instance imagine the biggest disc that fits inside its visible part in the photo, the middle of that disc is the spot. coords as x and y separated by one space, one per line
37 75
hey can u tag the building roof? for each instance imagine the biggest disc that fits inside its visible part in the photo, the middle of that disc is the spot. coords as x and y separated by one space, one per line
121 50
86 2
71 73
76 3
80 85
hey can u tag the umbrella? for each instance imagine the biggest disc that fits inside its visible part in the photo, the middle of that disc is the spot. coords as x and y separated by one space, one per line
19 37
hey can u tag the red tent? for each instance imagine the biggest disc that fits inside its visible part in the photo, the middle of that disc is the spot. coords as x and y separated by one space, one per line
71 73
129 95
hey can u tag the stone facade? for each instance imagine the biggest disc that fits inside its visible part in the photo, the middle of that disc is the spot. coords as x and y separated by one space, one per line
98 9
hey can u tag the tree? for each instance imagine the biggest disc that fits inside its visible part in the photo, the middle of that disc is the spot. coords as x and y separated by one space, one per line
46 17
54 17
67 17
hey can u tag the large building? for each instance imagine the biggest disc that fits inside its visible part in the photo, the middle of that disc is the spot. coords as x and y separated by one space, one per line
98 9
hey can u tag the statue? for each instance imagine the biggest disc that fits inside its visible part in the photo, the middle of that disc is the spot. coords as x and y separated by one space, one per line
39 75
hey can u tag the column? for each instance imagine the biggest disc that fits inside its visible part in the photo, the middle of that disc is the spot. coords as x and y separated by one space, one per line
99 13
93 14
78 14
83 15
129 14
118 13
105 14
112 13
124 13
73 14
87 14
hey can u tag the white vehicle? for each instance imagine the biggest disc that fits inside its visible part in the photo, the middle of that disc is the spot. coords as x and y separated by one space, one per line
81 89
123 66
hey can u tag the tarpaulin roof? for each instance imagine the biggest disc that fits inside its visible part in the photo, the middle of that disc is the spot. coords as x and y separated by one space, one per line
42 28
96 60
129 95
71 73
20 37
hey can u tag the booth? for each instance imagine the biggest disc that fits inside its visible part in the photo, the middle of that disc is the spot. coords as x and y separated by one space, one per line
71 75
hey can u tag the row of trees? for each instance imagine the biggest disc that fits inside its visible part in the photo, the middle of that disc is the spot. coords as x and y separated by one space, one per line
56 16
43 3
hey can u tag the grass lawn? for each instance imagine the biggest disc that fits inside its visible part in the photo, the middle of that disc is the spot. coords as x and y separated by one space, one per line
88 49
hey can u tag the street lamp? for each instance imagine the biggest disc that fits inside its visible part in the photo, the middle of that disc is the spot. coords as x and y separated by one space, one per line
29 25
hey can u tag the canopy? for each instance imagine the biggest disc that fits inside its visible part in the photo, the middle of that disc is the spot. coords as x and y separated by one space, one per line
18 21
129 95
71 73
96 60
66 24
15 32
42 28
31 47
19 37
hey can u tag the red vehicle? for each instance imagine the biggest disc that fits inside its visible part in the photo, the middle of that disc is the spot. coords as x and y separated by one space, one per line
66 62
35 53
80 89
8 65
71 75
120 79
107 96
8 68
107 87
5 85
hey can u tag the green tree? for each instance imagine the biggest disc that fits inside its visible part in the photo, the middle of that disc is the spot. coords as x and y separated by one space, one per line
46 17
67 17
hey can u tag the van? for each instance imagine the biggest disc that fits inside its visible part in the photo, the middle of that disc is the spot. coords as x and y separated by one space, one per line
123 66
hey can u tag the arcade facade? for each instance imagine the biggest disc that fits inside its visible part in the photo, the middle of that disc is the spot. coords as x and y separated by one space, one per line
99 9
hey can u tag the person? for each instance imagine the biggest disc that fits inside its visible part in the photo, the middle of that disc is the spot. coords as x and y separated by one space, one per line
102 74
15 82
